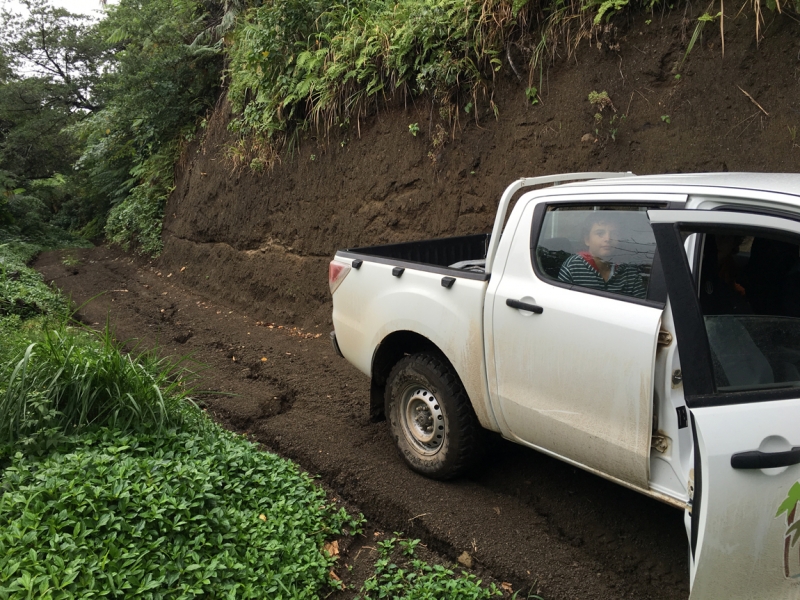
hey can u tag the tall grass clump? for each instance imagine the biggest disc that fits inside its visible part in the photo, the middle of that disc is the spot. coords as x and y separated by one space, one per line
57 379
65 380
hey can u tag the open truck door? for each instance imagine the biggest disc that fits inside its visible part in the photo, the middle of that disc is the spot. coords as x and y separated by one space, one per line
736 306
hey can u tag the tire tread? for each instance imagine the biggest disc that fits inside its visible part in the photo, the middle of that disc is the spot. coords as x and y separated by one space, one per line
471 436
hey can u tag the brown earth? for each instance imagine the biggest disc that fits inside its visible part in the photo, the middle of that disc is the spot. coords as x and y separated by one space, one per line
243 249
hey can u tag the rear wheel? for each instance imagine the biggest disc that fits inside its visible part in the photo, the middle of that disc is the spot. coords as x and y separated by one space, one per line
430 417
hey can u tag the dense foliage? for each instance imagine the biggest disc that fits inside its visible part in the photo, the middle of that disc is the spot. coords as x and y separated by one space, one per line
22 291
113 484
166 74
176 515
294 61
93 114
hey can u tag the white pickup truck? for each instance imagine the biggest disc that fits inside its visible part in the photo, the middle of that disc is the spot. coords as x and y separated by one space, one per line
646 329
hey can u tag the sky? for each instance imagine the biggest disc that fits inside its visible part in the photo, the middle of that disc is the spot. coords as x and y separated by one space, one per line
85 7
81 7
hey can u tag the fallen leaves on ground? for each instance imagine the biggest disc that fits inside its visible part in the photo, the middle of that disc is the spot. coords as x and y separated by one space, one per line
332 548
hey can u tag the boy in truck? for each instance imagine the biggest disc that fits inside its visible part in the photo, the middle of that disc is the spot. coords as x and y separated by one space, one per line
594 268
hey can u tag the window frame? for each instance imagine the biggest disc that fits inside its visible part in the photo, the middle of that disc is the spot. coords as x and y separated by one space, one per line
656 289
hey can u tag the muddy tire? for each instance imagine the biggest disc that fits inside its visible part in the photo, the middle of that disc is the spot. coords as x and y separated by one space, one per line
430 417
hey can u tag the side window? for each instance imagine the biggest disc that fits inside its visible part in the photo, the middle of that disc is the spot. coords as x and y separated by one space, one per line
608 248
748 286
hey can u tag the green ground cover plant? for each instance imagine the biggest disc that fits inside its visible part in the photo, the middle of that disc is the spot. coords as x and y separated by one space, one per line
400 574
113 484
178 514
22 291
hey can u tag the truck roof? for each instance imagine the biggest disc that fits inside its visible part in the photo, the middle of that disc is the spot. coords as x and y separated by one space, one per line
781 183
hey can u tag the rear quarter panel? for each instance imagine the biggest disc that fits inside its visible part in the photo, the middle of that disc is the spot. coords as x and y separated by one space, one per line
371 303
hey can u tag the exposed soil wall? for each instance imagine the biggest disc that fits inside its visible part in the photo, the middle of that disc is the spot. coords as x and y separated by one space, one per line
262 242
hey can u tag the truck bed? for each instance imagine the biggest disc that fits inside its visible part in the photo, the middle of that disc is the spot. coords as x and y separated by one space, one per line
463 256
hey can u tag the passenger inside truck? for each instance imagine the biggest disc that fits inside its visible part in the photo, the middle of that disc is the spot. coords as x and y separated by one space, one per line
608 248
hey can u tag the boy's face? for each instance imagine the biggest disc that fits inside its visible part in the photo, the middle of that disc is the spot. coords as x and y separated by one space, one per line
602 240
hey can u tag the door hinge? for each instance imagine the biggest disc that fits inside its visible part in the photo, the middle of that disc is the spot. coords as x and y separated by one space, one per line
660 442
664 338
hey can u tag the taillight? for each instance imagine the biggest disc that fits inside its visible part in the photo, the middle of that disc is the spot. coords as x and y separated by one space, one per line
336 274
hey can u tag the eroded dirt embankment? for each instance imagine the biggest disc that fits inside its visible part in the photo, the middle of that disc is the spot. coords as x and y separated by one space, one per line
522 517
262 242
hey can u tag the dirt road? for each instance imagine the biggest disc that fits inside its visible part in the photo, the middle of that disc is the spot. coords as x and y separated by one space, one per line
522 517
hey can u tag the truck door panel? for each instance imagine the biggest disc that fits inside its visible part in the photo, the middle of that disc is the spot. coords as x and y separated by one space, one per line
740 358
576 379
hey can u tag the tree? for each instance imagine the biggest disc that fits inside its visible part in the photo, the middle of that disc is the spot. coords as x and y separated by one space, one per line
165 76
92 115
57 47
51 66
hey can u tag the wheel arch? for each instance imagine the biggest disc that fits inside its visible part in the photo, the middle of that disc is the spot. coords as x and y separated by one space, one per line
391 349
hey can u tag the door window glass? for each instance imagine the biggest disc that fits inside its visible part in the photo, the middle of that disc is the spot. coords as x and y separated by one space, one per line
748 286
606 248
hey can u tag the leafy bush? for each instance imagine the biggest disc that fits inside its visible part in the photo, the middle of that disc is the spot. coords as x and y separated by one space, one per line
418 580
22 291
174 515
138 219
164 77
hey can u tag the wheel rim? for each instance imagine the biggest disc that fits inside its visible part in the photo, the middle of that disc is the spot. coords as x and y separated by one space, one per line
422 420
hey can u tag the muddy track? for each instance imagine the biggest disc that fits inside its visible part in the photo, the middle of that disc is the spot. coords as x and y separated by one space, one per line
522 517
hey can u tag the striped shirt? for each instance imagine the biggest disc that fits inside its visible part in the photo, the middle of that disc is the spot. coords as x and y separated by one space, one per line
579 269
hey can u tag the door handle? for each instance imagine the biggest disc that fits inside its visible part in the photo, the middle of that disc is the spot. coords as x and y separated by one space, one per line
765 460
534 308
